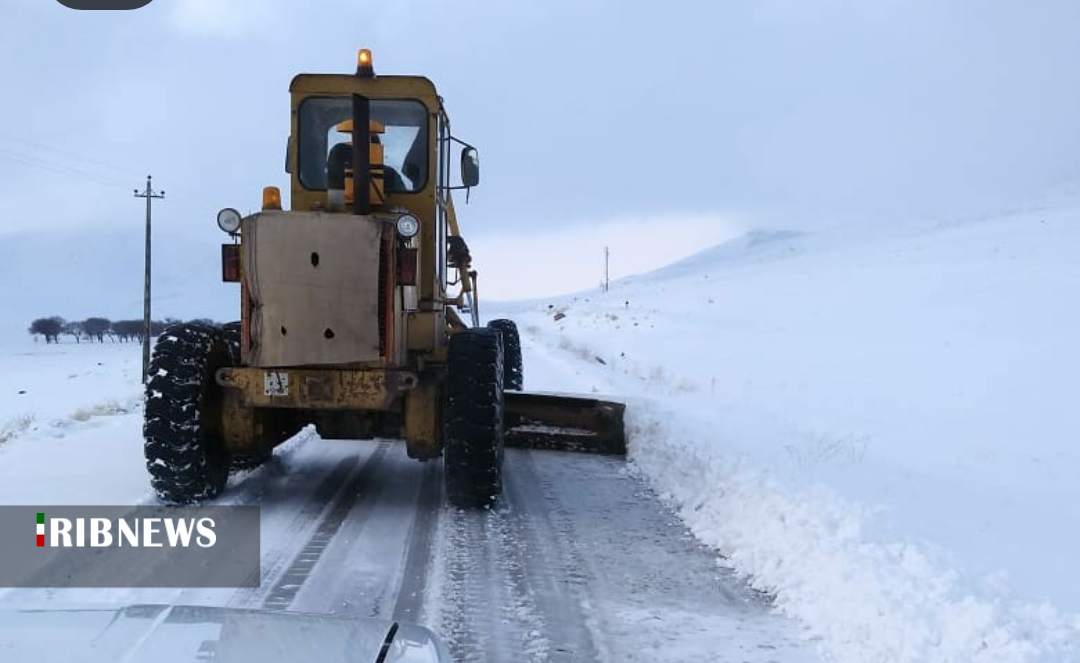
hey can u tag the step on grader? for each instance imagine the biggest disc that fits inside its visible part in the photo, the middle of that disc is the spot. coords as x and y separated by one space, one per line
358 313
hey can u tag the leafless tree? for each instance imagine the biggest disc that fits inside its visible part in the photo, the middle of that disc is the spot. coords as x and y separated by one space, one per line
74 329
96 328
50 328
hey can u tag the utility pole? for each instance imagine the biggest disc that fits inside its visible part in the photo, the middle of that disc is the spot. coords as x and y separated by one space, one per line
149 194
607 279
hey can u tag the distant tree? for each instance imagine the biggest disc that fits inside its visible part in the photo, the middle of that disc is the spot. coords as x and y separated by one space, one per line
73 329
207 322
96 328
134 329
128 330
50 328
158 326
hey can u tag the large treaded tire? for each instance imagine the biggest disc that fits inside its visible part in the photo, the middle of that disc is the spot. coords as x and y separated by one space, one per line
185 455
473 440
230 331
513 370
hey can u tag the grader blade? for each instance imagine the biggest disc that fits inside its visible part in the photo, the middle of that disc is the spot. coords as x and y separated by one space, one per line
561 422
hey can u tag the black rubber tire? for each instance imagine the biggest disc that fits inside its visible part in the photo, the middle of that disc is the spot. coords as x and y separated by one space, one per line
185 455
473 421
513 370
231 332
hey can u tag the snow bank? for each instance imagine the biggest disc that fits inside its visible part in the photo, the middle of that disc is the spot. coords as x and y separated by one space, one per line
866 600
877 428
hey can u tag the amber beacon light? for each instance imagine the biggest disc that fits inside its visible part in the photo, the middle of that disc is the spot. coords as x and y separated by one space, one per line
364 64
271 198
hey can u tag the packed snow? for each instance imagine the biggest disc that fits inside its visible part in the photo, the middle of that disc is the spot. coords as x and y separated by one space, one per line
579 560
876 427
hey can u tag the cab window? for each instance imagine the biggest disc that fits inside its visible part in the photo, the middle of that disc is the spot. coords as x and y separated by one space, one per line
404 141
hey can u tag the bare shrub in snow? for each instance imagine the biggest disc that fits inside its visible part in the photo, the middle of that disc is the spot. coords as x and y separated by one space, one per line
105 408
15 427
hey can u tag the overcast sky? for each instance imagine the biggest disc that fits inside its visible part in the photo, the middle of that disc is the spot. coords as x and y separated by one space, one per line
629 116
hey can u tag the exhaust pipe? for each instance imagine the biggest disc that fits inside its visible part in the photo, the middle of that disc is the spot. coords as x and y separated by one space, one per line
361 140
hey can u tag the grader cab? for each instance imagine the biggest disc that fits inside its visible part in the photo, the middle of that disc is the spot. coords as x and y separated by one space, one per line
358 312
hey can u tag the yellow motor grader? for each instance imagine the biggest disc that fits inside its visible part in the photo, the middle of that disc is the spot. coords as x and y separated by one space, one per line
358 312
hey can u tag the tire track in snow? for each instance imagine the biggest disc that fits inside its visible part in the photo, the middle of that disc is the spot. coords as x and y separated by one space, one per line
271 563
507 589
362 569
519 605
554 573
465 592
485 610
647 585
415 576
289 583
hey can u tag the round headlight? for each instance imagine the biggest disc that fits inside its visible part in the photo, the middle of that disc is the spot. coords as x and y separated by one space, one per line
408 225
228 220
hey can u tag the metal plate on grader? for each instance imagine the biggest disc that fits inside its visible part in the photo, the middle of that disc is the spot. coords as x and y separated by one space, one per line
564 422
276 383
319 389
313 284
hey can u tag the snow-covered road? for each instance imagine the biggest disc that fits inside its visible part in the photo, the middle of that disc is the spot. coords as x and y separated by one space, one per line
580 561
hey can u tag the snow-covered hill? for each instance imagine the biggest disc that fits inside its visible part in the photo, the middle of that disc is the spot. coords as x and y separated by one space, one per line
878 426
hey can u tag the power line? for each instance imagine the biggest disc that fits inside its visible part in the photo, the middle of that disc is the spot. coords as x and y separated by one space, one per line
68 154
60 168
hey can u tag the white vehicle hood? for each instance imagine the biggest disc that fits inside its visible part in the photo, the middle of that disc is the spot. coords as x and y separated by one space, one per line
190 634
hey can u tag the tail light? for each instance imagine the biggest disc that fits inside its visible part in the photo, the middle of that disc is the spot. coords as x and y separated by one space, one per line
230 263
406 266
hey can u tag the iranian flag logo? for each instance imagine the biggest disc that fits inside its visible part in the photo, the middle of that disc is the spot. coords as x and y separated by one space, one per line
41 530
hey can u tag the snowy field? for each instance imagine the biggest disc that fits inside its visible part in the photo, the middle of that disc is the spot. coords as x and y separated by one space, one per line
875 429
70 423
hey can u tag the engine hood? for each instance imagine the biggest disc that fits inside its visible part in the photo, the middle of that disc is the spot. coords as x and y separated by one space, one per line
190 634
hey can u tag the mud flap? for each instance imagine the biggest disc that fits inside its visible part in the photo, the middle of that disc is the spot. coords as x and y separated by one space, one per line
562 422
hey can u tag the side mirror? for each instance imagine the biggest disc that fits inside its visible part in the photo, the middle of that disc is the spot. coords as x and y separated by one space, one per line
470 167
